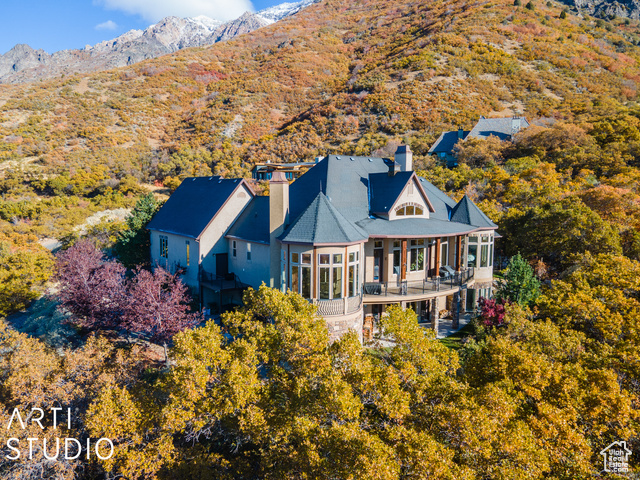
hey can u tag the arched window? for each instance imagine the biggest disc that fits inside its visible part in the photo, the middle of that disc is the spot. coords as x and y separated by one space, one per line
409 209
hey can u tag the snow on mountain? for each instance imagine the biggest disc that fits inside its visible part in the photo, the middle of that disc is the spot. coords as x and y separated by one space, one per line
278 12
23 64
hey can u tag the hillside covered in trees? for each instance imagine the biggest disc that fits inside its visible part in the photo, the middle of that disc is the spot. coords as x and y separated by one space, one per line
536 395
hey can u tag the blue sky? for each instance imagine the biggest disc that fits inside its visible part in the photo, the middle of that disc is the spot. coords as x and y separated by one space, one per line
63 24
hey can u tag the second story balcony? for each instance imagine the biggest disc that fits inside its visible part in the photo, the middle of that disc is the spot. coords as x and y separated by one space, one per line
338 306
383 292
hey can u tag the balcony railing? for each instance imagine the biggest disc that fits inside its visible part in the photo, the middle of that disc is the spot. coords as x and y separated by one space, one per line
435 284
221 282
339 306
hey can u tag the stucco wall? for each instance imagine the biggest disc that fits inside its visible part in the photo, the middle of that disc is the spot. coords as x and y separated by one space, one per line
252 272
212 241
177 255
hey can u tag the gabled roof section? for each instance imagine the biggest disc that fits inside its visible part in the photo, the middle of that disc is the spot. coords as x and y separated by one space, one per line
384 190
446 141
194 205
253 223
322 224
503 128
468 213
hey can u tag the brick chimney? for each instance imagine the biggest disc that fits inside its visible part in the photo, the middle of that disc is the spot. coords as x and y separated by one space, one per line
278 219
404 158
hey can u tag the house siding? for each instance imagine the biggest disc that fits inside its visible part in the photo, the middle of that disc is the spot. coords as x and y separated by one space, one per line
252 272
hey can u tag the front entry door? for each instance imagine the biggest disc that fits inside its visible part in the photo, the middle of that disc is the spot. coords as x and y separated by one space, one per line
222 264
378 268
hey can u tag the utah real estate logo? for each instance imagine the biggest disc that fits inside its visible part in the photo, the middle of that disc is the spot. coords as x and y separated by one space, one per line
616 457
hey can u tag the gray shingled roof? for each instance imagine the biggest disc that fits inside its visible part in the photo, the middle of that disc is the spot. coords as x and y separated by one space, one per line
193 205
345 183
253 223
446 141
384 190
502 128
413 227
321 224
468 212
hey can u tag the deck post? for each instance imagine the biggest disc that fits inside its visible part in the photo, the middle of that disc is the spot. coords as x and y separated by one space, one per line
403 260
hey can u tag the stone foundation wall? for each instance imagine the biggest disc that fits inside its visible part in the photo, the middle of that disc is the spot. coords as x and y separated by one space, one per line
339 325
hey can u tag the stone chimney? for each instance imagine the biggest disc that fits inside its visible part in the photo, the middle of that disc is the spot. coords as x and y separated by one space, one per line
404 158
278 219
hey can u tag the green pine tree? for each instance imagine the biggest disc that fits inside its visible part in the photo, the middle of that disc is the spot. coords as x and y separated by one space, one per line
132 247
519 284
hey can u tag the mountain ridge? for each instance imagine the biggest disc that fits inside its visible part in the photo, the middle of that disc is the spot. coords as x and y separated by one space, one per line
23 64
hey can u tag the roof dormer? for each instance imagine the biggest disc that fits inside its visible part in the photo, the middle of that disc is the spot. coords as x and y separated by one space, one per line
398 196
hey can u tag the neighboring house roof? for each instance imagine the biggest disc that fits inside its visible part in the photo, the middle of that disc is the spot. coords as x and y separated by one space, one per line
194 205
253 223
446 141
322 224
503 128
468 213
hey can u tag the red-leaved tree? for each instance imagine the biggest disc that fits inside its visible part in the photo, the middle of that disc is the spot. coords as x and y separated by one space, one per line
91 287
158 306
492 312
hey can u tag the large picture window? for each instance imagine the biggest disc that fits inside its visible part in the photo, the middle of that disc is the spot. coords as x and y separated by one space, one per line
444 252
416 255
480 251
330 279
397 254
301 274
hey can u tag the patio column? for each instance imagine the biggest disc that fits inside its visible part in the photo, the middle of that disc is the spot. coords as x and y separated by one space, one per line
458 252
435 314
403 260
455 310
463 301
438 241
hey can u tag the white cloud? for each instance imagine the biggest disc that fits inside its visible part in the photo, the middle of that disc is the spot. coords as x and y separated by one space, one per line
108 25
154 10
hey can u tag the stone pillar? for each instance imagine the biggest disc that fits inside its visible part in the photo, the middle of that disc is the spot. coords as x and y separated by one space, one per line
455 310
463 301
435 314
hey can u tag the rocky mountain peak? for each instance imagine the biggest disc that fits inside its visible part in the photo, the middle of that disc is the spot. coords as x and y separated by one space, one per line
23 64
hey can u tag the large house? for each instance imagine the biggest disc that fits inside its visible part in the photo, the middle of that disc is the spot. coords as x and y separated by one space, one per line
502 128
353 235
